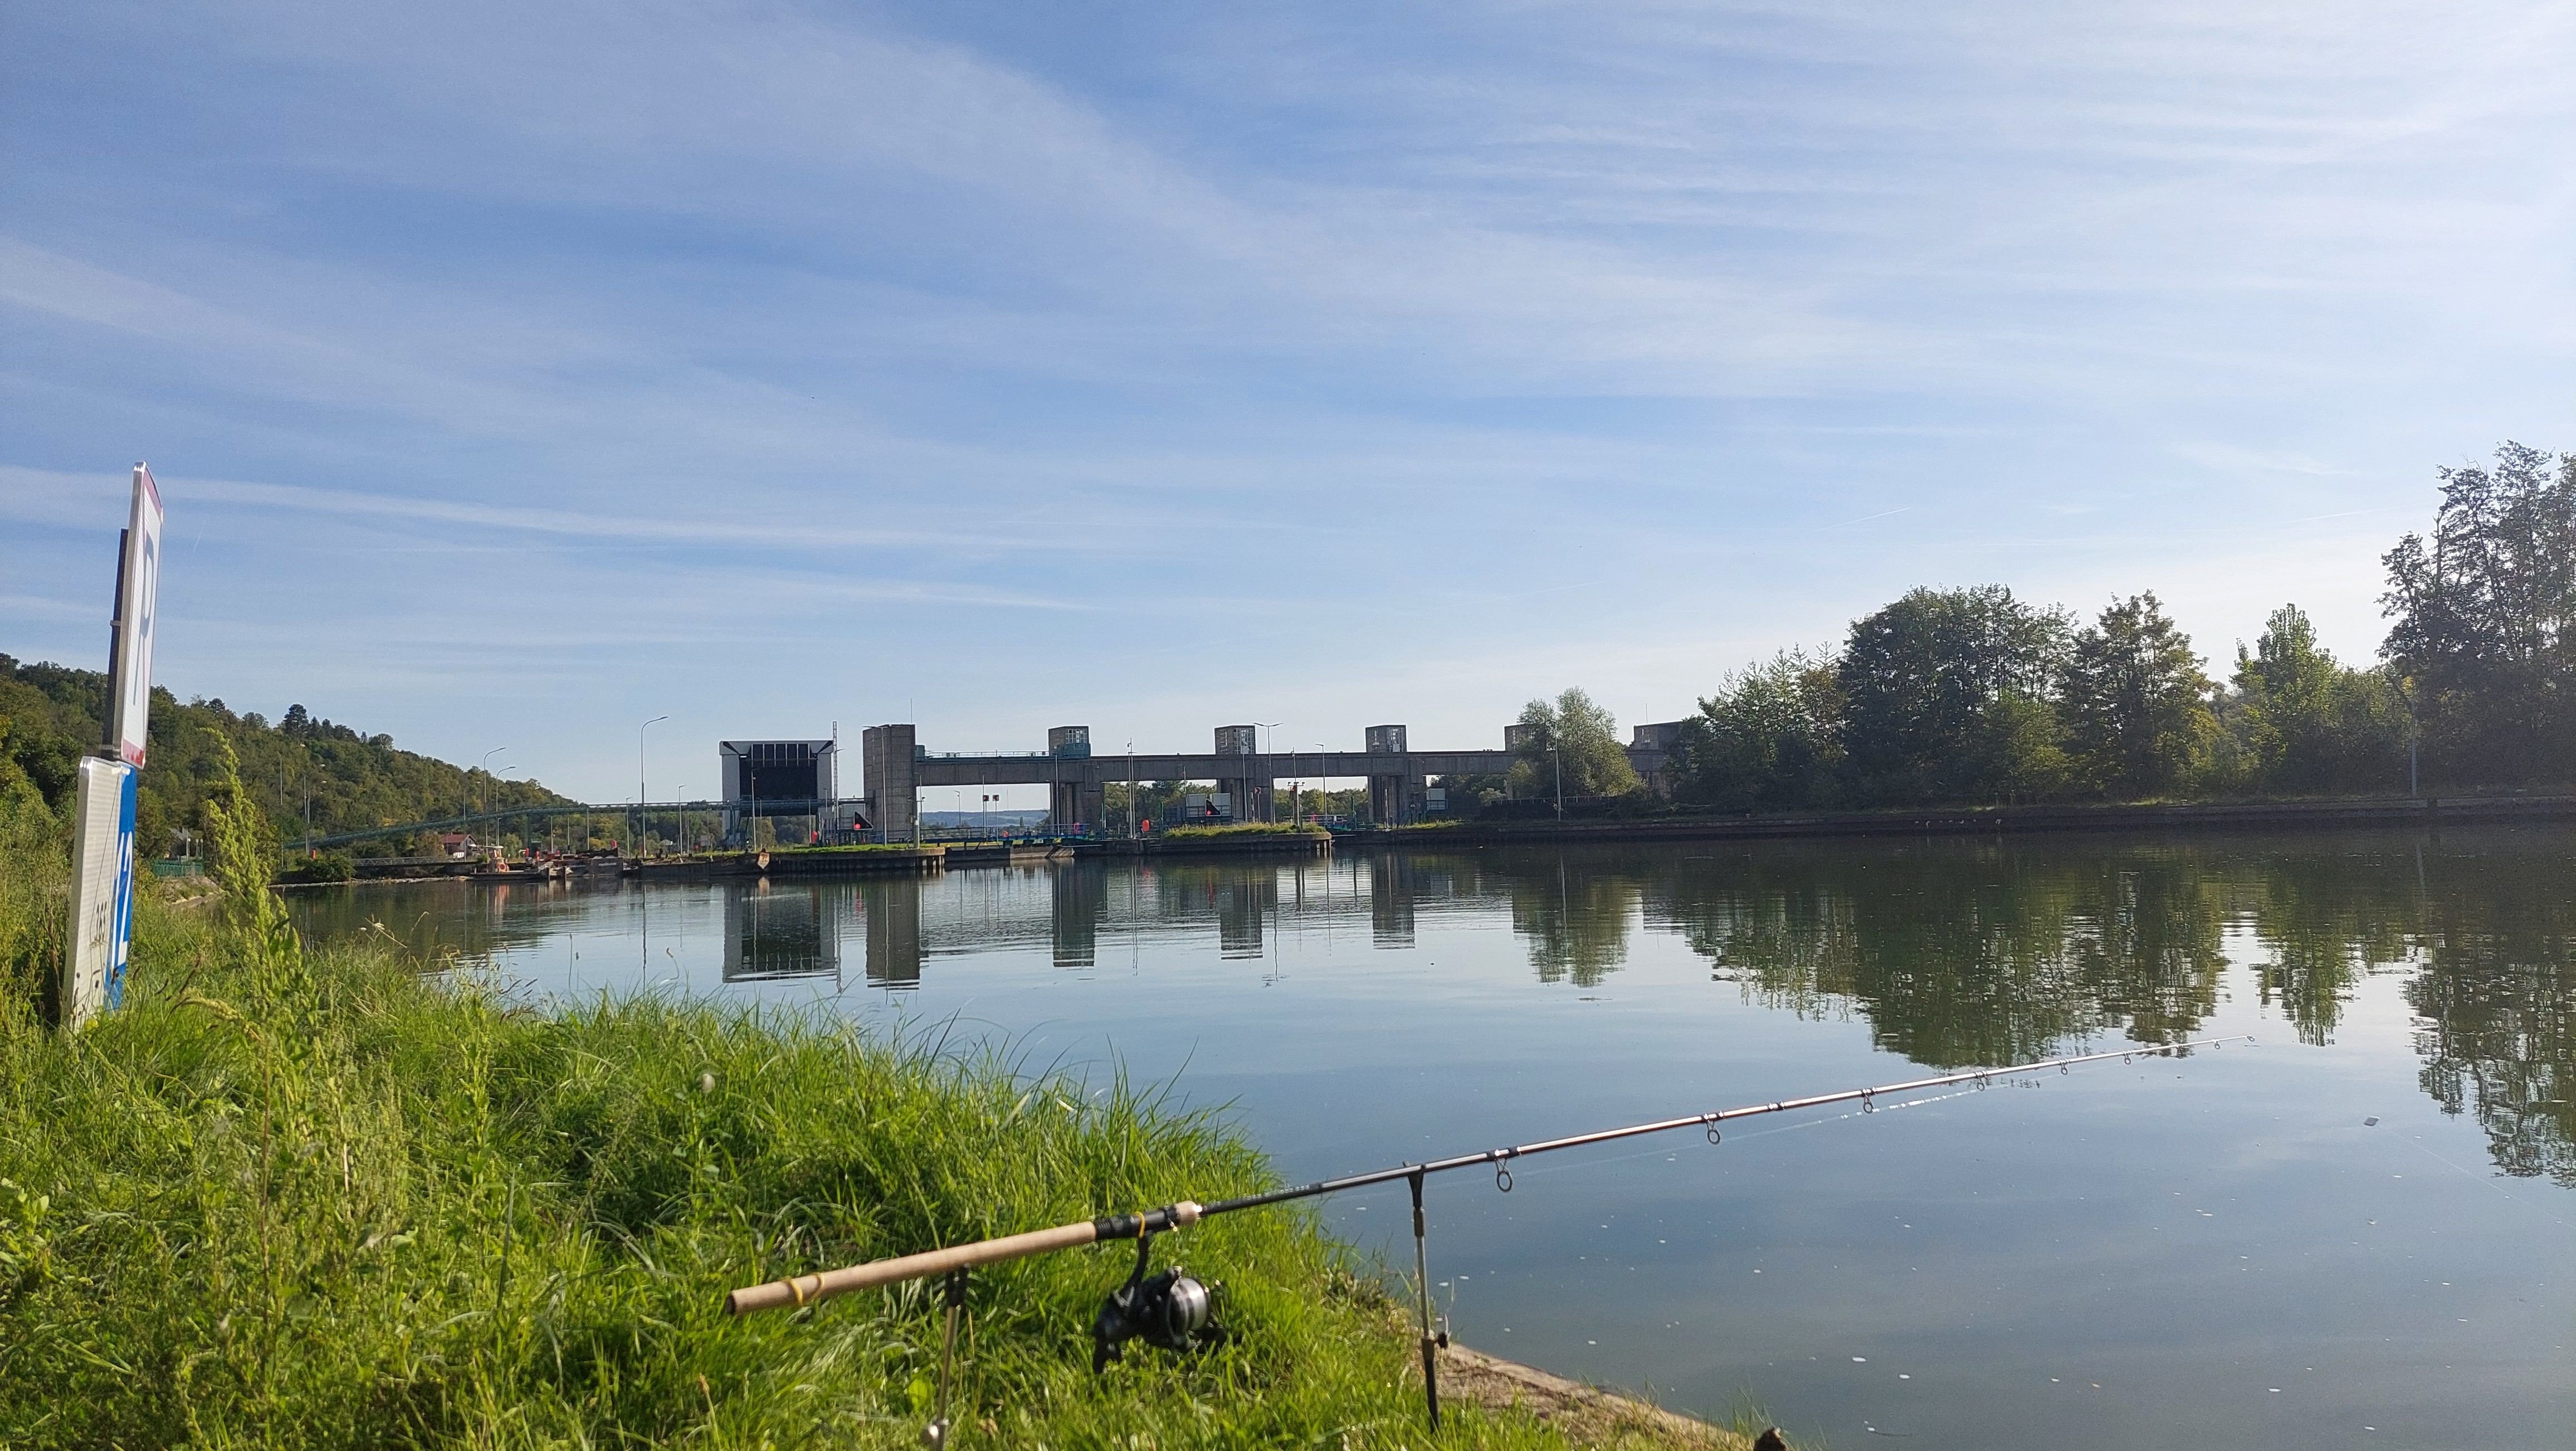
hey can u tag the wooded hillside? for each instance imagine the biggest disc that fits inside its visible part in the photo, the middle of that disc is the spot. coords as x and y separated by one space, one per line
50 714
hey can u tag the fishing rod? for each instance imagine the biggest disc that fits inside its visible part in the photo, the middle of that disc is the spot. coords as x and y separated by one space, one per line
1172 1310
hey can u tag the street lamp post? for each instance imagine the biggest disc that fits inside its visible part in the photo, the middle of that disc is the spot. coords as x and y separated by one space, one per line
496 780
1268 812
640 797
486 766
1558 760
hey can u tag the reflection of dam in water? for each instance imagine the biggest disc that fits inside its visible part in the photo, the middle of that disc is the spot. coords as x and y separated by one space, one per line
773 931
887 927
1956 954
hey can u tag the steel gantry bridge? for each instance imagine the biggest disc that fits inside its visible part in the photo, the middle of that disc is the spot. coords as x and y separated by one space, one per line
612 808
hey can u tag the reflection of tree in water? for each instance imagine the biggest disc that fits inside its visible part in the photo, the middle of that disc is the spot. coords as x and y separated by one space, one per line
2327 919
440 922
1971 954
1574 922
2498 999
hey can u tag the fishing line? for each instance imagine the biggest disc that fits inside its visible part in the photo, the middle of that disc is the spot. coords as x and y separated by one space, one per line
1543 1170
2488 1180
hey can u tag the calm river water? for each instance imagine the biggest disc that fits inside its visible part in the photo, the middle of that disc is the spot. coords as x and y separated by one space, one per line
2218 1251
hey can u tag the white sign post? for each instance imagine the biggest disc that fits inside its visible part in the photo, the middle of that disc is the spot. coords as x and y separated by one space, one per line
138 598
102 890
102 922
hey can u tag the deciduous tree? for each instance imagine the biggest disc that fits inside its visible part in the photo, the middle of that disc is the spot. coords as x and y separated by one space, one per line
1770 739
1925 681
1585 738
2485 612
2136 702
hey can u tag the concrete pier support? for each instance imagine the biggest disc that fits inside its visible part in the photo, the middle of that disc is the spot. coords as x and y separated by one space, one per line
1395 800
1077 805
1241 772
893 775
1250 795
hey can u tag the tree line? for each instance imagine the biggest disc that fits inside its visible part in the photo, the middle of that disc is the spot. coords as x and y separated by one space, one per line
302 763
1976 696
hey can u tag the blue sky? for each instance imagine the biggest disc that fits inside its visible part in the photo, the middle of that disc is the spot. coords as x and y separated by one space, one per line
515 372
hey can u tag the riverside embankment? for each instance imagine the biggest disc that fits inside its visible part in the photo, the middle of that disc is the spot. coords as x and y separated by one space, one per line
2416 812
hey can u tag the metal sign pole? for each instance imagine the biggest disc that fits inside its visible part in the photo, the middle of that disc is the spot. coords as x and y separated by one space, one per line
102 905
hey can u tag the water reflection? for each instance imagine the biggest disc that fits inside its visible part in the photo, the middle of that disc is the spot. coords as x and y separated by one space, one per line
437 922
1952 953
892 908
1390 899
1081 902
780 931
2498 1002
1971 955
1574 923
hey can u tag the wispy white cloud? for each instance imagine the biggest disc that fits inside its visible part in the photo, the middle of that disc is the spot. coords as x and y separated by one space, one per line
41 607
893 353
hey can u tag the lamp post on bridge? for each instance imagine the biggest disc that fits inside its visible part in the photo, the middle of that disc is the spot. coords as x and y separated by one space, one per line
1268 813
486 766
640 797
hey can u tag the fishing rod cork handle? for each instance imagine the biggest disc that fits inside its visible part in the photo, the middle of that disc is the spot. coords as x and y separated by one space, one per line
802 1290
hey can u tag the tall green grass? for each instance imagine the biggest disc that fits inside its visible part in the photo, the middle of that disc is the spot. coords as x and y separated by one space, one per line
321 1198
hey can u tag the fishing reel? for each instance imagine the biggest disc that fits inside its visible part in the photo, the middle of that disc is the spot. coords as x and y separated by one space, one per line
1170 1311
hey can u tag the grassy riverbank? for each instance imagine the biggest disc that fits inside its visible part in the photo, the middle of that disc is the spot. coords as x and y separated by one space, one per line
1240 830
314 1198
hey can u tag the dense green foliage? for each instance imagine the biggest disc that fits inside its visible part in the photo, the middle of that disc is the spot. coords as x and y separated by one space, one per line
1771 738
50 714
2300 723
1929 685
318 1198
1971 696
1155 800
2485 614
1576 747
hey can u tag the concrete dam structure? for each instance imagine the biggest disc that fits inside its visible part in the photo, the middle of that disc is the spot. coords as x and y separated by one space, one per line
897 768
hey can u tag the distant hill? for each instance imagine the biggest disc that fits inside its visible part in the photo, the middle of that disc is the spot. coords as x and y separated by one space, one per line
984 820
51 714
